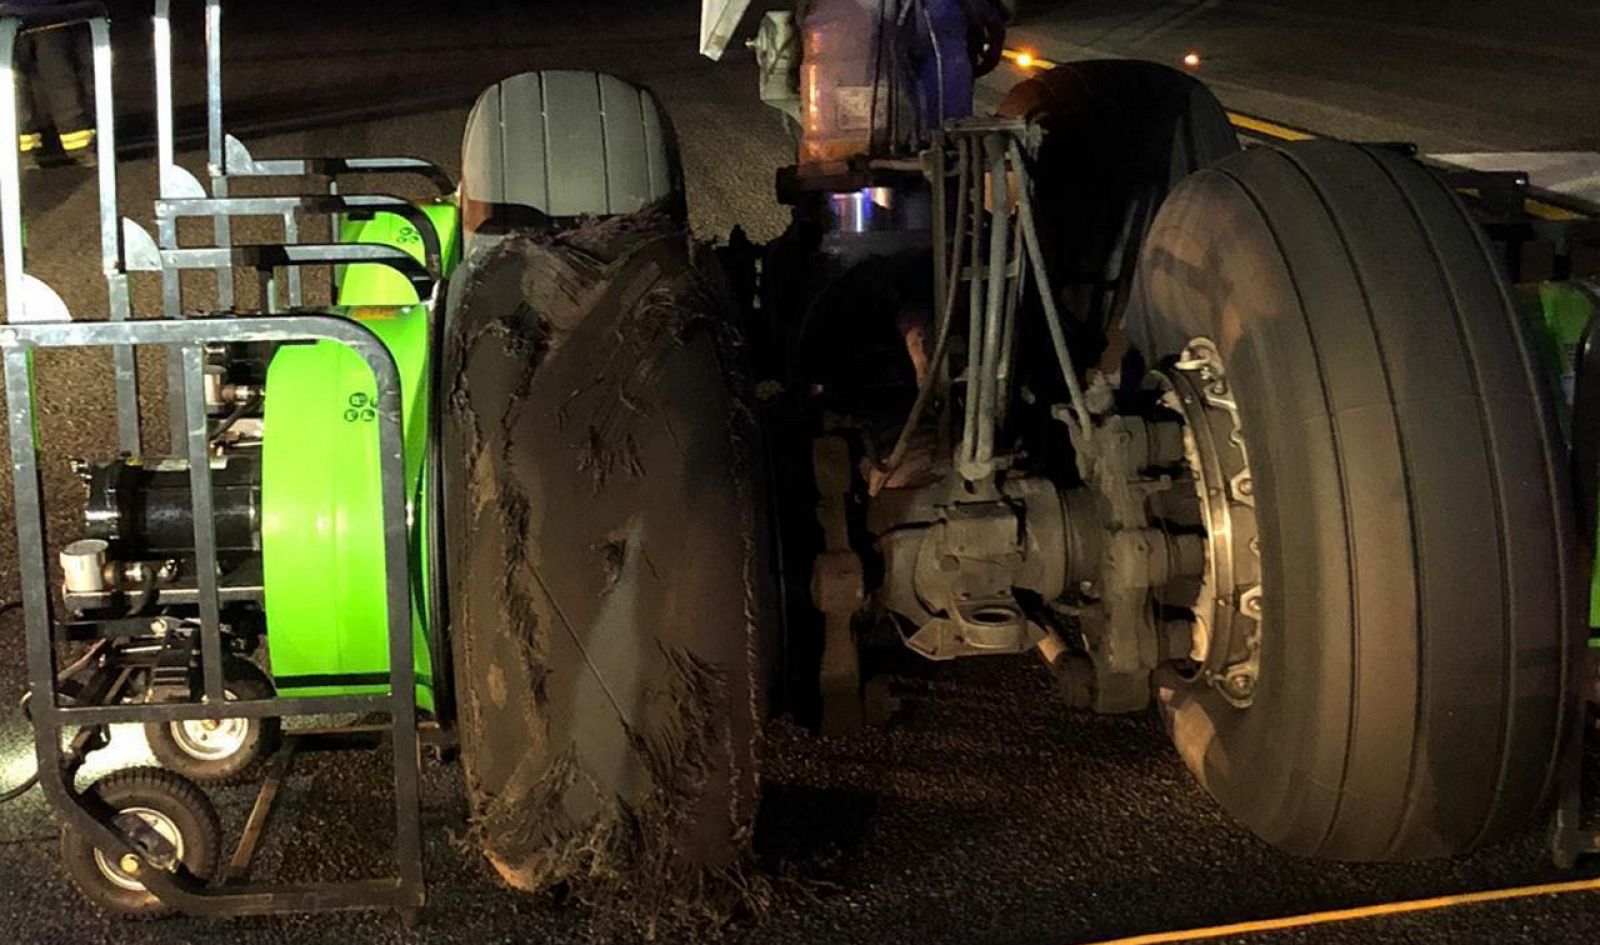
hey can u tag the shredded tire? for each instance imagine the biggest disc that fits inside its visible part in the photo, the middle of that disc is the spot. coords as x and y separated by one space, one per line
604 566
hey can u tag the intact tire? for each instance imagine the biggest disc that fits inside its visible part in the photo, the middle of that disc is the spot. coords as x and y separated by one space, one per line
170 803
555 145
1118 135
607 593
1422 597
234 749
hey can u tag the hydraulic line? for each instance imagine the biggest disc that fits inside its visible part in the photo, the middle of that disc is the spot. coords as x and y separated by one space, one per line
974 313
1052 315
1379 910
946 315
982 454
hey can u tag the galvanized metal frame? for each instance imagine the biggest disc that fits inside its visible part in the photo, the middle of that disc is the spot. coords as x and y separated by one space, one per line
18 284
143 254
39 320
228 157
223 208
52 719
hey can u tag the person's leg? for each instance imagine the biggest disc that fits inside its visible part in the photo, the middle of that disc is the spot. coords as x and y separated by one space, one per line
60 73
30 135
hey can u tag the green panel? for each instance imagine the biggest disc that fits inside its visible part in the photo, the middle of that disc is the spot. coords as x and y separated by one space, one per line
375 284
322 523
1560 312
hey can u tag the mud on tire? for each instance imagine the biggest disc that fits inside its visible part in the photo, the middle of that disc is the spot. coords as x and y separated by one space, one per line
602 518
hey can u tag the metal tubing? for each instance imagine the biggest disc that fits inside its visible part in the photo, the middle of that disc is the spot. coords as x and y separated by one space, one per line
335 227
205 528
974 321
201 711
999 231
1052 315
28 511
214 150
216 167
1008 332
11 240
124 370
291 235
242 164
172 307
266 257
432 248
947 307
166 157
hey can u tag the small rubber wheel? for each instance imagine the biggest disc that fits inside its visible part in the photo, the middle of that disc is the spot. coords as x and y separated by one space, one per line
175 809
220 751
607 589
1118 135
1421 593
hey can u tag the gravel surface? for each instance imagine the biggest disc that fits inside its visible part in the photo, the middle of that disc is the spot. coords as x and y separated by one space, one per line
984 813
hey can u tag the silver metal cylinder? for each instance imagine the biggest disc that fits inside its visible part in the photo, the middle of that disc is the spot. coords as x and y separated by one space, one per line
83 564
216 397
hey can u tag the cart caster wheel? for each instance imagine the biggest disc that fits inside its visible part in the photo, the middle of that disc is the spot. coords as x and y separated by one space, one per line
220 751
175 809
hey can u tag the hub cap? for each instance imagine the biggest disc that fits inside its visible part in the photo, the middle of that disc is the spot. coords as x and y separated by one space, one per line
121 872
212 739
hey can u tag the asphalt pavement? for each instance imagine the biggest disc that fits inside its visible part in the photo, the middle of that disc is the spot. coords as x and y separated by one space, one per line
985 812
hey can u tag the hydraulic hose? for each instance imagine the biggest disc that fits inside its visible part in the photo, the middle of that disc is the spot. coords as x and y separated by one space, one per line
947 307
1052 315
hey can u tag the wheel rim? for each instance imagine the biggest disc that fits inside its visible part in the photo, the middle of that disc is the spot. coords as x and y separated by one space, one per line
120 873
212 739
1228 608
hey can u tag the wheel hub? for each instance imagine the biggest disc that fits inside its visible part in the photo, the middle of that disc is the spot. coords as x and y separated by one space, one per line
1228 606
123 871
212 739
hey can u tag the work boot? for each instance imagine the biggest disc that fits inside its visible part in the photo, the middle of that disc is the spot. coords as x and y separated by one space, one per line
78 147
28 146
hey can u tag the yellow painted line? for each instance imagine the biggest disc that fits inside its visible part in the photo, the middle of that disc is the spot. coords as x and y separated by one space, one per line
1549 211
1269 128
1026 59
1360 912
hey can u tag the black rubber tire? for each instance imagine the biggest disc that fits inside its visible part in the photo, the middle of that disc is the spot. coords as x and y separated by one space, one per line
246 681
1423 600
561 144
603 517
159 790
1118 135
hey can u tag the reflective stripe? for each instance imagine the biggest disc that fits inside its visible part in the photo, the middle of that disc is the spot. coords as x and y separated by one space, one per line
77 140
30 142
